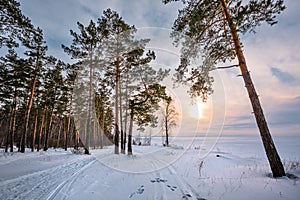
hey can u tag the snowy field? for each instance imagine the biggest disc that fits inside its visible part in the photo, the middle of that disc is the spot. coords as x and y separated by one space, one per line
229 167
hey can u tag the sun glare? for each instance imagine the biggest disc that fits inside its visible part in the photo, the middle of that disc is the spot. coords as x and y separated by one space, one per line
196 110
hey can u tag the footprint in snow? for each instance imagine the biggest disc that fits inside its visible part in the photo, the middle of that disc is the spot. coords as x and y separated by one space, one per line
140 190
158 180
186 196
173 188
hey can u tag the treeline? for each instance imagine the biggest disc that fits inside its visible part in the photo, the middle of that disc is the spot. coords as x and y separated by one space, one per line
46 102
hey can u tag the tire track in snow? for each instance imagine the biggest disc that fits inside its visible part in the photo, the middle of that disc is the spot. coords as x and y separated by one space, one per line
40 184
69 181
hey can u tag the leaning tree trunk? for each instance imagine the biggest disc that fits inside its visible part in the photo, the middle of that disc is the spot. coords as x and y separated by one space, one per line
273 157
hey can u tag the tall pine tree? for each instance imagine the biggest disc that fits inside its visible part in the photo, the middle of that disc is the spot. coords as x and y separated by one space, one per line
211 29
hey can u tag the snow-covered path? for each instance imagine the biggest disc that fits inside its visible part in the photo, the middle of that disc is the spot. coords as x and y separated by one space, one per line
236 168
113 184
39 176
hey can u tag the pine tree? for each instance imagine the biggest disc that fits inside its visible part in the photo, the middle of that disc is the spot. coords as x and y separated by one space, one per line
103 111
53 89
14 25
170 116
12 89
85 48
146 93
142 106
121 52
36 51
71 71
212 28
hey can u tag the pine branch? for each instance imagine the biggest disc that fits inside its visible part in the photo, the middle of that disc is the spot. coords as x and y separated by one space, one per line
224 67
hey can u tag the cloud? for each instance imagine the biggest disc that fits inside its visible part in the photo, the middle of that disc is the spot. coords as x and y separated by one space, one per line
282 76
286 113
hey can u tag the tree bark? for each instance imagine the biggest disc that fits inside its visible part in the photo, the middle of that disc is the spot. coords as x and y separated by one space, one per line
41 128
10 122
166 126
271 152
89 116
28 109
121 120
14 119
102 129
65 129
48 130
117 106
34 130
69 122
59 130
130 134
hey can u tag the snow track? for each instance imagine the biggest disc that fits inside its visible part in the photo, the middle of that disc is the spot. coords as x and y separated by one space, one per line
43 184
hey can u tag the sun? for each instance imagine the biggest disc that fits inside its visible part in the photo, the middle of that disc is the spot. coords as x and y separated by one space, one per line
196 110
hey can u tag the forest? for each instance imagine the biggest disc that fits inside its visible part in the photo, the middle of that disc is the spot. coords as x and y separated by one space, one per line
110 87
92 102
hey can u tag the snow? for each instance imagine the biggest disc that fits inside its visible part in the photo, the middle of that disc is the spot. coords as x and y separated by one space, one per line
233 167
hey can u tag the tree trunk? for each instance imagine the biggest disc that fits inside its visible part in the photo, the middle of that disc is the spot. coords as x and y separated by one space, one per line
166 127
13 128
28 109
41 128
121 120
69 122
130 134
10 122
65 128
76 139
34 130
102 129
48 130
59 130
117 106
273 157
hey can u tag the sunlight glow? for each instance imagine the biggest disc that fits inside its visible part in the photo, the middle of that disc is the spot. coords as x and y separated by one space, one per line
196 110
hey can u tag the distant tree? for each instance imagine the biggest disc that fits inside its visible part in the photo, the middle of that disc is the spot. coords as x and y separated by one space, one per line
170 116
146 93
211 29
142 106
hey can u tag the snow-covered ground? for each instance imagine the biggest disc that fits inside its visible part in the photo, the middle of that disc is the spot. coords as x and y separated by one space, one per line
192 168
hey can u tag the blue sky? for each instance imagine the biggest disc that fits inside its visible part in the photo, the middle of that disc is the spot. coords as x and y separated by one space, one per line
272 54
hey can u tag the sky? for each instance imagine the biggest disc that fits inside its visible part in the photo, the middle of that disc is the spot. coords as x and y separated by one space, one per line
272 55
